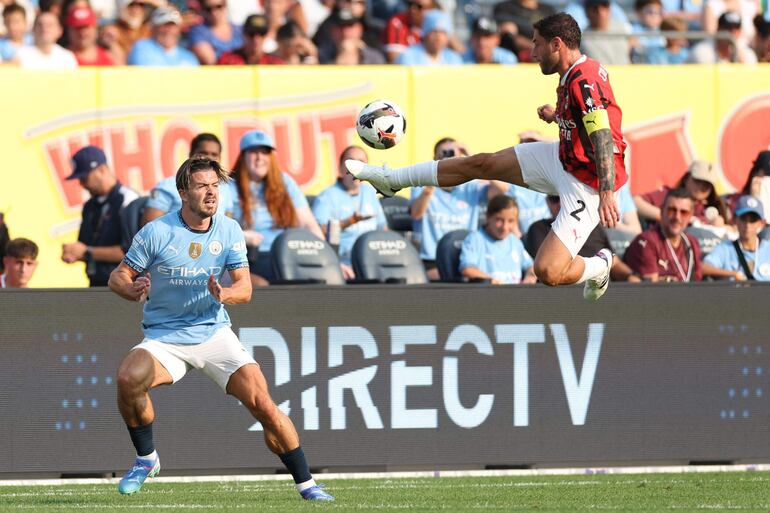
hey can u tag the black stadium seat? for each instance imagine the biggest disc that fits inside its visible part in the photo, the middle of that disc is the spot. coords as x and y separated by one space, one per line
129 220
301 257
619 240
707 240
387 257
448 255
396 210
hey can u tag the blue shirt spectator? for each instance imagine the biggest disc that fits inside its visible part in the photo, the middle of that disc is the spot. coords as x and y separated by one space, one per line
485 45
577 11
162 49
494 252
532 206
434 48
725 257
204 34
659 55
417 55
449 209
337 202
499 56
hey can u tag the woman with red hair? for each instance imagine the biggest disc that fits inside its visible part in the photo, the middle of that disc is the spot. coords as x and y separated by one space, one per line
269 201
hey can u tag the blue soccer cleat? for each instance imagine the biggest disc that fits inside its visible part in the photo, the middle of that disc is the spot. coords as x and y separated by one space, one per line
134 479
316 493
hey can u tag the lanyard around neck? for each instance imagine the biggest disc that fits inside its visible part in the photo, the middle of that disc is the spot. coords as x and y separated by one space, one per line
682 275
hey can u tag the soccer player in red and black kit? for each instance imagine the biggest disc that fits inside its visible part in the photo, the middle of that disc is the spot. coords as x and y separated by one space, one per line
584 168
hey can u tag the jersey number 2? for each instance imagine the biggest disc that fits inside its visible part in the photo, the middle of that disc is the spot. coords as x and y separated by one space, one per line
575 213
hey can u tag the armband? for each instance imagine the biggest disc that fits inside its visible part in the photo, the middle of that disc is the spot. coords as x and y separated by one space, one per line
596 120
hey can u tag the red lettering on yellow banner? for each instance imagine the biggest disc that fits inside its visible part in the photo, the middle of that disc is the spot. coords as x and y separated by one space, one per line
745 133
175 145
136 156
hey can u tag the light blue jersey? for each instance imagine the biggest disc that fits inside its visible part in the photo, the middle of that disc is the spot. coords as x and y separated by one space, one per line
724 257
336 203
448 211
504 260
263 220
532 206
625 200
180 260
165 197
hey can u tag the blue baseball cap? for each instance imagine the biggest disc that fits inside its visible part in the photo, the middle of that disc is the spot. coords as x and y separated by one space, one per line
434 20
749 204
256 139
86 160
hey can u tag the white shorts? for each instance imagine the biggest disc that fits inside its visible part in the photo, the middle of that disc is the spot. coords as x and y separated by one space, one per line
542 171
218 357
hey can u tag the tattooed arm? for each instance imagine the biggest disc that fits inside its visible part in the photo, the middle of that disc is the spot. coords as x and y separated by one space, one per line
598 127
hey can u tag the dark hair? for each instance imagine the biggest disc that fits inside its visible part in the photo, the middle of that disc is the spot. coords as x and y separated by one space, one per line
12 8
712 201
500 202
202 138
641 4
560 25
673 24
21 248
760 165
289 30
442 141
678 192
195 164
346 152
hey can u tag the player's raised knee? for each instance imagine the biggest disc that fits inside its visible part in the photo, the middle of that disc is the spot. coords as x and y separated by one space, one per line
548 274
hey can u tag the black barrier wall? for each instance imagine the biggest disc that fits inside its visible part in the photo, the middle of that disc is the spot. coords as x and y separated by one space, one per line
402 376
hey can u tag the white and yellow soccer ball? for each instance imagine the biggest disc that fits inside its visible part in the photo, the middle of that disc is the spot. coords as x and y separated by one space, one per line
381 124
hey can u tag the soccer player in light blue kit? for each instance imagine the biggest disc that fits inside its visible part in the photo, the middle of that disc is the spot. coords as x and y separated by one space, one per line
184 254
493 252
164 197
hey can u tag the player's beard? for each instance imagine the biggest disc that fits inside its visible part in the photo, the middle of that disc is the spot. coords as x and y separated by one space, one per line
205 210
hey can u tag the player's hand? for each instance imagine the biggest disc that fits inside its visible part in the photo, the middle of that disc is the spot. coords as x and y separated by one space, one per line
215 289
547 113
141 288
609 214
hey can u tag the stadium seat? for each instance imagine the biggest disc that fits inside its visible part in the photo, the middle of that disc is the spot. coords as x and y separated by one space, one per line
619 240
129 220
396 210
448 255
765 233
387 257
707 240
299 257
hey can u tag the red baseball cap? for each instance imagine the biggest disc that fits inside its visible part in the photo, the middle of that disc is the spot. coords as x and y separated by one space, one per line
82 16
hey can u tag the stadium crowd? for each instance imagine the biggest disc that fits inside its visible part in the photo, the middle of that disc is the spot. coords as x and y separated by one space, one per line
482 231
64 34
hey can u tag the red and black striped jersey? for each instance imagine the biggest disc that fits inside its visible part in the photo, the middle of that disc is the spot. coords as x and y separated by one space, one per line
583 89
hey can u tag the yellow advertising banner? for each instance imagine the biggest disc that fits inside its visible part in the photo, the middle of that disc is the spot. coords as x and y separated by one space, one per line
144 120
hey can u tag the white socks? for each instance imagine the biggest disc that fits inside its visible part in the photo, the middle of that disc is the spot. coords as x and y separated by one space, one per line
304 486
150 457
595 265
425 173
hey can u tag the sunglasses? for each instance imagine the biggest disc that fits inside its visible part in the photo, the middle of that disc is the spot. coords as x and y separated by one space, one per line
212 8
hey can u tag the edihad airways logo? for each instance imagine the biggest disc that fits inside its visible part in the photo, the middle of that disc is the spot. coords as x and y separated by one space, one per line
403 377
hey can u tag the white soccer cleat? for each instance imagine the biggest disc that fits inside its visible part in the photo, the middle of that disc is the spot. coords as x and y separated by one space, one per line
375 175
597 286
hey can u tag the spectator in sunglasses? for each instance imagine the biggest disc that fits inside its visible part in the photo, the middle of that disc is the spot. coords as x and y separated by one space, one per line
216 35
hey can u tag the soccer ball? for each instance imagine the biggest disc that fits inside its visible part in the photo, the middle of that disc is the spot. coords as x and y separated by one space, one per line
381 124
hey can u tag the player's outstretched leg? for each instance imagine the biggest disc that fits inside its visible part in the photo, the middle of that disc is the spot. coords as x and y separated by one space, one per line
502 165
139 372
248 384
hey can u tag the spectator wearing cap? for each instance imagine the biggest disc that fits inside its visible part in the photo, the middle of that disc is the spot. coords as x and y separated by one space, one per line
269 201
45 54
434 48
278 14
676 49
404 29
757 184
98 243
524 13
82 35
353 204
372 35
294 47
485 45
700 183
665 251
162 49
744 9
254 31
16 34
347 46
724 50
577 9
600 40
216 35
748 257
19 263
649 17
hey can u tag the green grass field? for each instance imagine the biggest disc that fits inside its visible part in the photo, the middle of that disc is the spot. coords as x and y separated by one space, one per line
745 491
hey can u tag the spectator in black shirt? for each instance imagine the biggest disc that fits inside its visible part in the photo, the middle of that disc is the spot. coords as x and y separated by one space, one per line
98 243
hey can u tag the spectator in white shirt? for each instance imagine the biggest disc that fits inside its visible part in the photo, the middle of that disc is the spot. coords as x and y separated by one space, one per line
45 54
